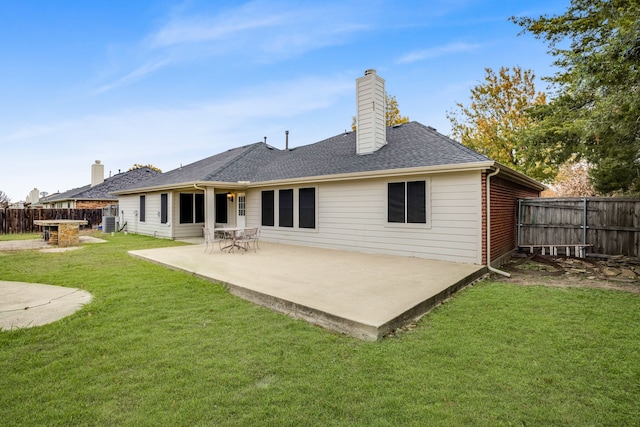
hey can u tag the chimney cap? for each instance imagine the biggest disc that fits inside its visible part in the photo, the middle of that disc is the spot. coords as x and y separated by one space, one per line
97 162
369 71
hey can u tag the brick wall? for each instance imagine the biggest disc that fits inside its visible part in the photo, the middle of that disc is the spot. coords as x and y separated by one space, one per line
504 214
484 218
91 204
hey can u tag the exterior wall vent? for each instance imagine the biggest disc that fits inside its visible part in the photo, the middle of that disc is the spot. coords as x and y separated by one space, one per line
371 132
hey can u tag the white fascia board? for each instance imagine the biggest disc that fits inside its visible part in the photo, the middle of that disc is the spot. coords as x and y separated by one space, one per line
180 186
520 178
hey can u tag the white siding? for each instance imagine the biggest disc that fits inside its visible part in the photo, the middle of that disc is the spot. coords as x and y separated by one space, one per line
152 226
130 205
353 216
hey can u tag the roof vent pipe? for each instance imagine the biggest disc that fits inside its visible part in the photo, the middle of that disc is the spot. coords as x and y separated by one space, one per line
286 140
265 139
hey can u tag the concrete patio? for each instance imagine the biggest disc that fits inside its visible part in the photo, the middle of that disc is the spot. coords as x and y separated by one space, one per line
362 295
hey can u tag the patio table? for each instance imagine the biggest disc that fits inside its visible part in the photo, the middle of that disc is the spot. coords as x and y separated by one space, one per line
234 232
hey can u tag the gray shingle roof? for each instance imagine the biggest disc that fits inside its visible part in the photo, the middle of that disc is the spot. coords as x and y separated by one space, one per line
102 190
409 145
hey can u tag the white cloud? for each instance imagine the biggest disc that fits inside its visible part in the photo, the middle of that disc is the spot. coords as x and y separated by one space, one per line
136 74
197 29
59 154
438 51
258 32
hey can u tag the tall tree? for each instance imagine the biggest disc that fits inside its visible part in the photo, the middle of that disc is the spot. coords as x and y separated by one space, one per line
392 111
495 120
596 113
392 114
4 199
573 180
150 166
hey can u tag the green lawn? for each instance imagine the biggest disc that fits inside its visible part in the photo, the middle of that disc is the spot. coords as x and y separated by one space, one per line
19 236
161 347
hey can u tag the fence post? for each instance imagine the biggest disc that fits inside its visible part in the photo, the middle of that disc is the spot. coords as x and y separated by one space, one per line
519 224
584 223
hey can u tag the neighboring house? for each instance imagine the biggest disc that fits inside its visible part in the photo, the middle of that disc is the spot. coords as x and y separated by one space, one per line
404 190
98 193
15 205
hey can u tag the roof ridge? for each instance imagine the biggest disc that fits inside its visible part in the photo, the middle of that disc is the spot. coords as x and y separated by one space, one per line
249 148
453 141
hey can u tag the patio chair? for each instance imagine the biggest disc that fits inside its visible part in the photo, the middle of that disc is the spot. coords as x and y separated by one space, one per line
227 239
249 236
211 238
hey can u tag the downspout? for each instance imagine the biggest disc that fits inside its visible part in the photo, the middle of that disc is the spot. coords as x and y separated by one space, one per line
489 267
205 202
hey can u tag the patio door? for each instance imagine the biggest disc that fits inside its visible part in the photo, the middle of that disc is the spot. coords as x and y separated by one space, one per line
242 211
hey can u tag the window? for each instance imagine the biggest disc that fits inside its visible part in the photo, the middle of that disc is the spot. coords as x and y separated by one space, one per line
416 202
307 208
395 202
143 208
242 205
407 202
199 206
267 208
164 208
186 208
285 212
191 208
221 208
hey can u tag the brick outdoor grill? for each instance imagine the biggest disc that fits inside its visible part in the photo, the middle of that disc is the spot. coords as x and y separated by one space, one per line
61 232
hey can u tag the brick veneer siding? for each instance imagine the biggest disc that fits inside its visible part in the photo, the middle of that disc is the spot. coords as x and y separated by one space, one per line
484 218
504 215
93 204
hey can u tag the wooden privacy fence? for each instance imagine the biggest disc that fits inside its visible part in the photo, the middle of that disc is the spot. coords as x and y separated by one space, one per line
602 226
21 220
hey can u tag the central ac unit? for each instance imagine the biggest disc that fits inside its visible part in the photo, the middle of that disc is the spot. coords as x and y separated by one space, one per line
109 224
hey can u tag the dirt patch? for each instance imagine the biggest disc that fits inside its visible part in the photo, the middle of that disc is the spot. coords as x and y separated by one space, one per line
615 273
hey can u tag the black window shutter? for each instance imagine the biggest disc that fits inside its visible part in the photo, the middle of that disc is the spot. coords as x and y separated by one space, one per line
164 208
143 208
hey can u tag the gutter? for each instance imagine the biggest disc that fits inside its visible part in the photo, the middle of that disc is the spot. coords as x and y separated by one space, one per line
179 185
520 178
488 188
318 178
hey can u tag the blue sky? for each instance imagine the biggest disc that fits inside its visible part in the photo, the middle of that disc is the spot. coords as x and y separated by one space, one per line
171 82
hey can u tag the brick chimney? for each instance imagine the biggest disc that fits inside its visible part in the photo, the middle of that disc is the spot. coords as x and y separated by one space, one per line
97 173
371 132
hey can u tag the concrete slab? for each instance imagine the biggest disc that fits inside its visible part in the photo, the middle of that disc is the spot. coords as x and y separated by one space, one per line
363 295
23 305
